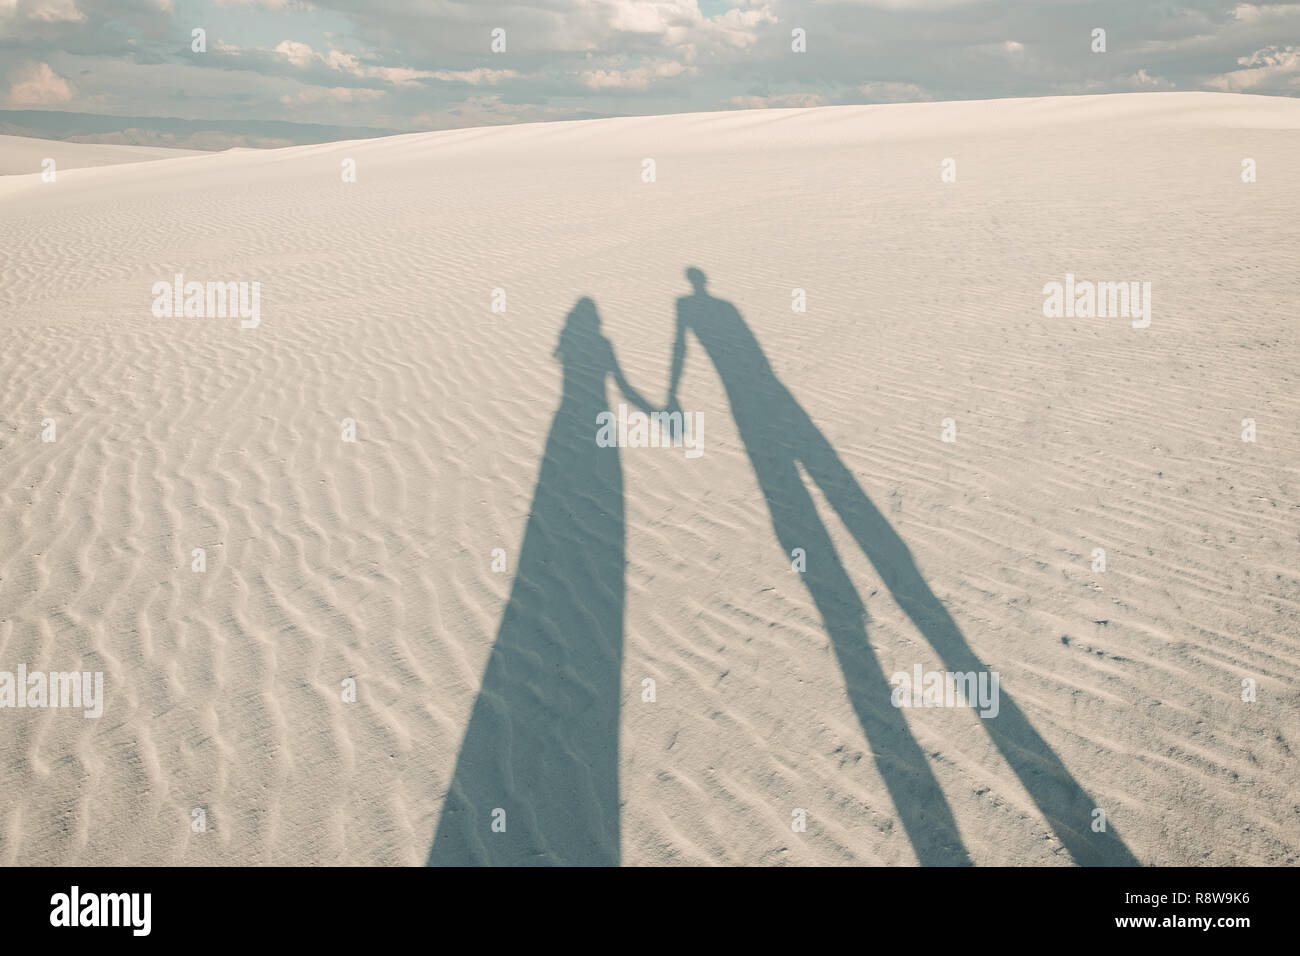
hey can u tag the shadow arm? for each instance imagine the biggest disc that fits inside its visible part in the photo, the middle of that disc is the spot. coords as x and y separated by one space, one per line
630 393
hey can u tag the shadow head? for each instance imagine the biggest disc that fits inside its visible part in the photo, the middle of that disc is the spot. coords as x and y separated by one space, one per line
697 280
581 326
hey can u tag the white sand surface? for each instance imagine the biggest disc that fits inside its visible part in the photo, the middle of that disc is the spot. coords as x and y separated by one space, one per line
20 155
327 560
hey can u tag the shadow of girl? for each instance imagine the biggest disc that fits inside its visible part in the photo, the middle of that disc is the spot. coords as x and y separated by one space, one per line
540 754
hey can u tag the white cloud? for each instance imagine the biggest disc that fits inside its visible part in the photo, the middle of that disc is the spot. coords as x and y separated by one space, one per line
332 94
278 5
637 78
679 24
397 75
737 27
777 101
299 54
648 16
1142 79
1270 67
37 85
1253 13
568 58
476 77
888 92
303 56
339 60
915 4
53 11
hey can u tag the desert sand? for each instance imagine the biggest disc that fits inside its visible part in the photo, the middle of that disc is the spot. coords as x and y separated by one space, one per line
20 155
226 736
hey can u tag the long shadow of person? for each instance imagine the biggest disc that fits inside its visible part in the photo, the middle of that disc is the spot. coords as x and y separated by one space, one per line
778 436
540 753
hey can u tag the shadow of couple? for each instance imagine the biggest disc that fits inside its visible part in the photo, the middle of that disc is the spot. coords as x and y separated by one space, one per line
537 777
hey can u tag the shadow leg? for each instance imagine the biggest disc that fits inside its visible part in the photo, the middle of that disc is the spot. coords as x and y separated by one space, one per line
1058 796
922 807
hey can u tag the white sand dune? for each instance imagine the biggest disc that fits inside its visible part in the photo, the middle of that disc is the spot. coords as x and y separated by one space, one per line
20 155
327 560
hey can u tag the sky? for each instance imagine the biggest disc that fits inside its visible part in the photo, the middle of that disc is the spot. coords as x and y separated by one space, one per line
430 64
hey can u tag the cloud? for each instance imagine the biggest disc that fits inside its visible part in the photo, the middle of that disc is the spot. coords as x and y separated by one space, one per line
303 57
1143 80
737 27
645 26
334 94
680 21
428 62
648 16
1273 67
777 101
908 5
397 75
637 78
476 77
1252 13
38 85
277 5
53 11
299 54
888 92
